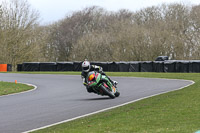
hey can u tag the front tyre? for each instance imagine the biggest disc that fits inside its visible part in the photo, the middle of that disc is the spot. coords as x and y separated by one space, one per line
117 94
107 92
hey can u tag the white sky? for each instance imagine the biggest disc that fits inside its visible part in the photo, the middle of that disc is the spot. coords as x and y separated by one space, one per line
53 10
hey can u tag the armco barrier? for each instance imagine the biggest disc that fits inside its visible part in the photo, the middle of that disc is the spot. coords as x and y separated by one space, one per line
133 66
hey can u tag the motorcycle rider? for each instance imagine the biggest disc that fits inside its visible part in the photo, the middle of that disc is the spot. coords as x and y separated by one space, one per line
86 68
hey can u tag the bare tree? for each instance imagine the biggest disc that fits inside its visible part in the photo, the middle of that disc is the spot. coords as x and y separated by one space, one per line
99 35
18 24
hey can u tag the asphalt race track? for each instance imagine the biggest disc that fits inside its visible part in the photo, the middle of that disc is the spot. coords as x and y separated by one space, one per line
62 97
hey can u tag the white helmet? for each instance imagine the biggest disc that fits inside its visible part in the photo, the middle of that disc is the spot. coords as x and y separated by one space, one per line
86 66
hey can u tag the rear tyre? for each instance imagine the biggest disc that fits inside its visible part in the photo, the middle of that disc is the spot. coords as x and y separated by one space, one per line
107 92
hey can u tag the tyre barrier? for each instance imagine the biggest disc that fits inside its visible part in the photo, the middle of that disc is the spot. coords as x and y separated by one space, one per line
5 67
184 66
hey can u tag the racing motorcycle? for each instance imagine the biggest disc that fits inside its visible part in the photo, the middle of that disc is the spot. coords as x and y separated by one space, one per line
101 84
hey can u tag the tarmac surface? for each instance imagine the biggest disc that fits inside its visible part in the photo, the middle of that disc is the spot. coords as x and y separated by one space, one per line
62 97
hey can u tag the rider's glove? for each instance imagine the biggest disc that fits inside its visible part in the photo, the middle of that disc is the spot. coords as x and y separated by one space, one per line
85 84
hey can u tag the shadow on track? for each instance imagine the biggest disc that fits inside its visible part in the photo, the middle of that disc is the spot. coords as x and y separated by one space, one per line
95 99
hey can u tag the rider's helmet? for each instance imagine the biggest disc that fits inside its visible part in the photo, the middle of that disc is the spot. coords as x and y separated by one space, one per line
86 66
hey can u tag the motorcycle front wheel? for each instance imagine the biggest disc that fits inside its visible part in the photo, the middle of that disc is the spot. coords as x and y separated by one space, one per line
117 94
107 92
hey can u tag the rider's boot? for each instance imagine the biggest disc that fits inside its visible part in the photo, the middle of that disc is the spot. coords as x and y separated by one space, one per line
115 83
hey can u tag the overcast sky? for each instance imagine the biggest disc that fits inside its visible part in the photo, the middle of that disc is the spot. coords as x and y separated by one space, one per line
53 10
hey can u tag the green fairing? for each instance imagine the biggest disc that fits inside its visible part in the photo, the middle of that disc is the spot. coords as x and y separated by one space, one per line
108 81
97 80
101 84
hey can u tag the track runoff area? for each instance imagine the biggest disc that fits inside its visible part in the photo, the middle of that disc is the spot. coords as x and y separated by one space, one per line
62 98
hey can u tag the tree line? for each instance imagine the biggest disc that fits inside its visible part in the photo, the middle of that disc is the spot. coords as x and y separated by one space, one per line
99 35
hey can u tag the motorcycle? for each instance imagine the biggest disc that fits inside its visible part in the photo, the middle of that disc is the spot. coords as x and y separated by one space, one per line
101 84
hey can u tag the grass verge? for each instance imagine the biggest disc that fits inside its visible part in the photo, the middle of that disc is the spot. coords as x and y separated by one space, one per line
173 112
10 88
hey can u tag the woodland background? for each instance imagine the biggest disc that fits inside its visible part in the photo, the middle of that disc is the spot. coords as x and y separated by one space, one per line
99 35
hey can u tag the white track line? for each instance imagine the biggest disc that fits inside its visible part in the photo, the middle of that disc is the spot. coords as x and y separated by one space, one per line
192 82
35 87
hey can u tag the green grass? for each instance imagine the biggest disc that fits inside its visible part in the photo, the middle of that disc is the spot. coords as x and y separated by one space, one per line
10 88
173 112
